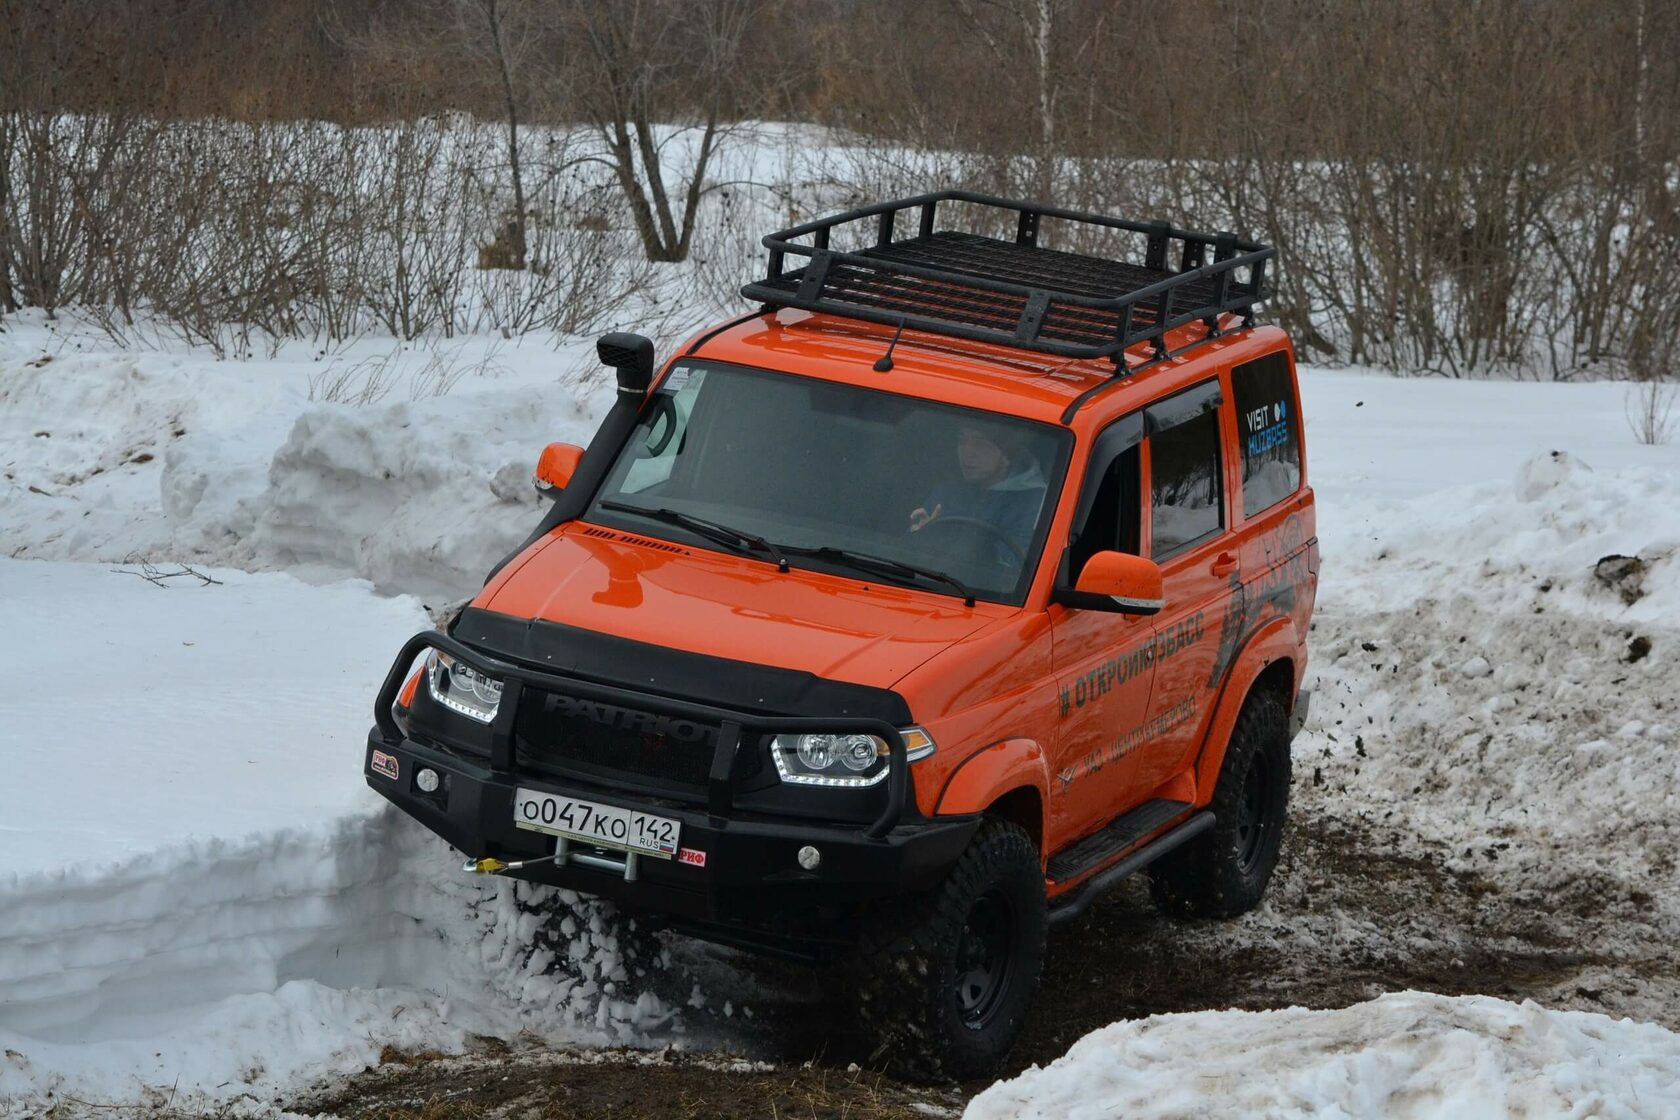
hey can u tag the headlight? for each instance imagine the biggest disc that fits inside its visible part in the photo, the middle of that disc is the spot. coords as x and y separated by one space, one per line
844 759
461 688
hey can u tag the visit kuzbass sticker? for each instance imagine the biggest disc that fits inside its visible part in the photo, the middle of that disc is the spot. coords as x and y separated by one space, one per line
384 765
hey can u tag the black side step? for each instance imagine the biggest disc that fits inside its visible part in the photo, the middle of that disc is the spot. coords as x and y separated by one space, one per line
1118 835
1081 899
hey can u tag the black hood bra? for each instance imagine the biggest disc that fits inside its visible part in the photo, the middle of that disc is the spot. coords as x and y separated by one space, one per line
609 659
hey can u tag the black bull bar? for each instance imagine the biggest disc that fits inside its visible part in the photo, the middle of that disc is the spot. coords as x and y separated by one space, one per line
733 724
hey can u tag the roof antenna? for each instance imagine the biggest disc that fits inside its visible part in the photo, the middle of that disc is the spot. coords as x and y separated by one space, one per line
884 363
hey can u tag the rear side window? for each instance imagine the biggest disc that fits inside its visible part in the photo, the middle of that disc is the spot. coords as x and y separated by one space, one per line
1186 503
1269 432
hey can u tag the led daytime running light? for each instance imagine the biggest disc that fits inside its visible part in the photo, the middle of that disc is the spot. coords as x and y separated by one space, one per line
462 688
849 759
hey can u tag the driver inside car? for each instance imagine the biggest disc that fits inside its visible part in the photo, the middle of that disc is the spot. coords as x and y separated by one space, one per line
1001 485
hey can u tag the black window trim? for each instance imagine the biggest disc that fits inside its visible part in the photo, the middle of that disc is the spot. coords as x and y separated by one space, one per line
1117 437
1183 406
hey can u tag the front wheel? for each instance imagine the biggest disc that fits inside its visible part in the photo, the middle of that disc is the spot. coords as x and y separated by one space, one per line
944 980
1224 871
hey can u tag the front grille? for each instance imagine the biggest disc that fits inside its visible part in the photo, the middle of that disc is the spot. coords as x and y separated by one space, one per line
569 736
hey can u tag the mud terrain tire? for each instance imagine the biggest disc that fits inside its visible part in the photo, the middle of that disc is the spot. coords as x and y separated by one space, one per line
1224 871
943 981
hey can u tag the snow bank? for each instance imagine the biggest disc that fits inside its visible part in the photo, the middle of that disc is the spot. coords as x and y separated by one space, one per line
1483 678
201 895
162 714
111 454
84 438
1548 523
218 971
1403 1055
423 497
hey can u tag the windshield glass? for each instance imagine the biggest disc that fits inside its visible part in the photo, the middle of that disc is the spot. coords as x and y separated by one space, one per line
840 478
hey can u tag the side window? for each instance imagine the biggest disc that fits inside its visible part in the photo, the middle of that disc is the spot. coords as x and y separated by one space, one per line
1112 523
673 405
1268 432
1185 500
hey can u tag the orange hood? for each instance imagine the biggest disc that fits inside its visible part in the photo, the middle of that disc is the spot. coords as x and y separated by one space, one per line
739 608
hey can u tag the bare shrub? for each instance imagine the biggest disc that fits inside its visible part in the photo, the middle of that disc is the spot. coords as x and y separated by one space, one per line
1650 409
1653 359
442 371
726 252
363 382
581 264
441 367
412 204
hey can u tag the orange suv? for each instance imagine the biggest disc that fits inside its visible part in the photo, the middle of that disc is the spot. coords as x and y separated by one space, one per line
902 617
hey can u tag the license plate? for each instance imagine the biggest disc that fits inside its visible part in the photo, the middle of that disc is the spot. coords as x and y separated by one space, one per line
607 825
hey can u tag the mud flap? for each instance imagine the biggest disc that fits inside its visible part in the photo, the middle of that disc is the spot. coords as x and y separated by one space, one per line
1298 712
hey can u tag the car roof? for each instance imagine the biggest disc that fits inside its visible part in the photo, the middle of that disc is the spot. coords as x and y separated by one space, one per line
987 376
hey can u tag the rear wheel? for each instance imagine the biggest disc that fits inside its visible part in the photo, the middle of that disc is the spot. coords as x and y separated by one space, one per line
944 980
1224 871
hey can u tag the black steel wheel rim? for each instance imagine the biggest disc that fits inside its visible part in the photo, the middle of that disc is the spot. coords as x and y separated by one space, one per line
985 958
1251 819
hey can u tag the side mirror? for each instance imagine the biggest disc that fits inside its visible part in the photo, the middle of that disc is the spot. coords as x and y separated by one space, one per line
555 468
632 356
1117 581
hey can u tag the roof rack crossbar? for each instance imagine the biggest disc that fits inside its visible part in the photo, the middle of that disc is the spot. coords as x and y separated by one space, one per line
974 286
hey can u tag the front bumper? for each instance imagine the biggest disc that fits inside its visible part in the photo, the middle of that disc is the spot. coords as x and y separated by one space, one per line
750 875
741 871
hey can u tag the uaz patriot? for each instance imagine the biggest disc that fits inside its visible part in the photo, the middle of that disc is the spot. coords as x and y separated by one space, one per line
900 618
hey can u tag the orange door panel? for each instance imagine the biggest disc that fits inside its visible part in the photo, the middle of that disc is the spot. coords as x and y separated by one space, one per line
1201 565
1186 643
1103 673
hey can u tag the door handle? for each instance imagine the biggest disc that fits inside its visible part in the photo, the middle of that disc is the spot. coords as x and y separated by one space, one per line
1224 564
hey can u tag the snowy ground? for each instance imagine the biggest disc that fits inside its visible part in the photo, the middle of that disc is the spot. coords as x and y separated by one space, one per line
1404 1055
210 907
199 891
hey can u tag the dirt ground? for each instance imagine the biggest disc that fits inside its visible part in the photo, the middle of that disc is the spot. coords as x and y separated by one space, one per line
1353 912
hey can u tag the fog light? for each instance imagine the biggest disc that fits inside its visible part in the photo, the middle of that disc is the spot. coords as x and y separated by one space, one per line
427 780
809 858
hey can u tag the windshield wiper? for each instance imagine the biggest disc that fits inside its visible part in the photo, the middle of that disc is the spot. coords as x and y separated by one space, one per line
741 542
882 565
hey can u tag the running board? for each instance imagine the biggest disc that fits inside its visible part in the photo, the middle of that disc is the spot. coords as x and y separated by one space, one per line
1081 899
1115 837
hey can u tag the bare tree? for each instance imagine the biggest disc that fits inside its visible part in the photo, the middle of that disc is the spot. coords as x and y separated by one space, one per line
500 49
498 36
629 69
1035 21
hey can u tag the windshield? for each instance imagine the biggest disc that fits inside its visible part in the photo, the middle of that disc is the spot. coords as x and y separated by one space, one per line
835 477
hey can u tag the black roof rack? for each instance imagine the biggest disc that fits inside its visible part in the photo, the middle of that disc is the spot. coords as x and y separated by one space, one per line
969 285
